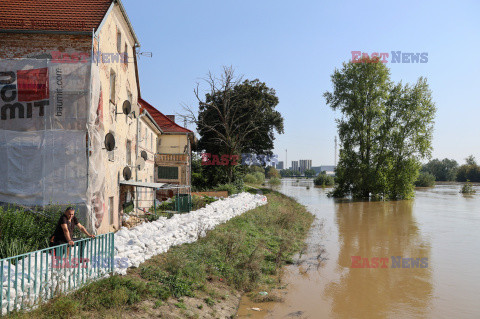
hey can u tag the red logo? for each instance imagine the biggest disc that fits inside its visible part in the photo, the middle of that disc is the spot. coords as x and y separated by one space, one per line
32 85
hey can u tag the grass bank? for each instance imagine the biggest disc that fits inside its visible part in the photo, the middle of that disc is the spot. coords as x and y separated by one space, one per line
204 279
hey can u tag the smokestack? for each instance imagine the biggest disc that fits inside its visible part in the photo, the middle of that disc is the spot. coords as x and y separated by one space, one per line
171 117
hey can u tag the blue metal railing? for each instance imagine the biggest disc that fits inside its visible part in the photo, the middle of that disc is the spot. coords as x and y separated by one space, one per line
28 279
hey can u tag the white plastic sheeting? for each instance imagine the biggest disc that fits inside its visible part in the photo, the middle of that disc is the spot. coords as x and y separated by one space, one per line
146 240
48 111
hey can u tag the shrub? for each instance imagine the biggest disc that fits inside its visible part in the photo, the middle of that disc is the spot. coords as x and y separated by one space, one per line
23 231
425 180
230 188
468 188
272 172
274 181
250 178
260 177
324 180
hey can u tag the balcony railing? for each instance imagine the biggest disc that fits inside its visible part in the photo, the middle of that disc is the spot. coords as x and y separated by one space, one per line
161 158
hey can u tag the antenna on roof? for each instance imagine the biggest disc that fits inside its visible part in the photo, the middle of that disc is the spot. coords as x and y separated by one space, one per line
185 119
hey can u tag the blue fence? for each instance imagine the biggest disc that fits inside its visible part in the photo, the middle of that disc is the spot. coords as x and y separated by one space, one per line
29 279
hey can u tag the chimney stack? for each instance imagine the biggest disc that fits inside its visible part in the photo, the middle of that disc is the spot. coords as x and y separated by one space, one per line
171 117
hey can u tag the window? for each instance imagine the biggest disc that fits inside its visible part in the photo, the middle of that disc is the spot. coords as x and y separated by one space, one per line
125 55
129 152
166 172
110 210
112 86
151 141
146 137
119 41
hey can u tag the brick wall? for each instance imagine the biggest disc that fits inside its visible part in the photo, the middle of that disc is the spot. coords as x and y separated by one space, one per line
20 45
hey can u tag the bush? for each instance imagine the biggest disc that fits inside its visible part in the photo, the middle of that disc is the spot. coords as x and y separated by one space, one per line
250 178
201 201
24 231
230 188
425 180
468 188
272 172
324 180
274 181
260 177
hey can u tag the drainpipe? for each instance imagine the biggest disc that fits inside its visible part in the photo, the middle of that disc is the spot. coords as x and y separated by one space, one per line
136 154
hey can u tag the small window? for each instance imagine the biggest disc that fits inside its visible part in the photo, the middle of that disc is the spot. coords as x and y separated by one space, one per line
129 152
119 41
151 141
125 55
112 86
166 172
146 137
110 210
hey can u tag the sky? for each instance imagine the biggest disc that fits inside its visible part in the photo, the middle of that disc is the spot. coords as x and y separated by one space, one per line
294 47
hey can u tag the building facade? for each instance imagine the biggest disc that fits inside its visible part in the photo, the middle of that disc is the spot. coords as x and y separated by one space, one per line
295 166
96 46
173 158
304 165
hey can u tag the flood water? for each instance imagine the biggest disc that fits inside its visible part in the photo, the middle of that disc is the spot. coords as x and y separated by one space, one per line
439 224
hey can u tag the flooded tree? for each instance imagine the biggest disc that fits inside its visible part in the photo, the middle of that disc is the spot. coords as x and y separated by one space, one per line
385 129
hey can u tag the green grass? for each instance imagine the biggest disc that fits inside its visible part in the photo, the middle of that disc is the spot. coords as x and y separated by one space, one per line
244 253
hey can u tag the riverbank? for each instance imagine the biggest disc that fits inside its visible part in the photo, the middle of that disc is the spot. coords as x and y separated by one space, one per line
204 279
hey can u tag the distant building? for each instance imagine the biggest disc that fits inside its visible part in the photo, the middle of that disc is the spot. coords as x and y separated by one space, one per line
279 165
295 166
304 165
329 169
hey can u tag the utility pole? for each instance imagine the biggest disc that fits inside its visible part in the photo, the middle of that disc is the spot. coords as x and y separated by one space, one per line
335 151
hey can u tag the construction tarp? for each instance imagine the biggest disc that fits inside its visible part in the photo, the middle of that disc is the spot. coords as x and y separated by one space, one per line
51 135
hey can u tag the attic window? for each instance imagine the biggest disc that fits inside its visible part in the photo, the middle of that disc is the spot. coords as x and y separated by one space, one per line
119 41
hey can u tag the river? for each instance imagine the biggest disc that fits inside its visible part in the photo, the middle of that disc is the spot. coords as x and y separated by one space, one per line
440 225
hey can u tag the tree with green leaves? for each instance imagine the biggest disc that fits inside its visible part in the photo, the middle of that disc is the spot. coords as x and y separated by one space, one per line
309 173
236 116
385 129
470 171
443 170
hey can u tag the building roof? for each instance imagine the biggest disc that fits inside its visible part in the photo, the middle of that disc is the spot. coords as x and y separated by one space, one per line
52 15
166 124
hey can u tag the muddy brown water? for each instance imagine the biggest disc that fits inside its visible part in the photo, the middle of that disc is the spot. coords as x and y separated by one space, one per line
440 224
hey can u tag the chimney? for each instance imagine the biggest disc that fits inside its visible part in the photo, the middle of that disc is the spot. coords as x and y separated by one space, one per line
171 117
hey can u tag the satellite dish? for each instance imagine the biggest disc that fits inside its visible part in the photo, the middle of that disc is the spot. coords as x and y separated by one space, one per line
127 173
144 155
109 142
127 107
140 163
